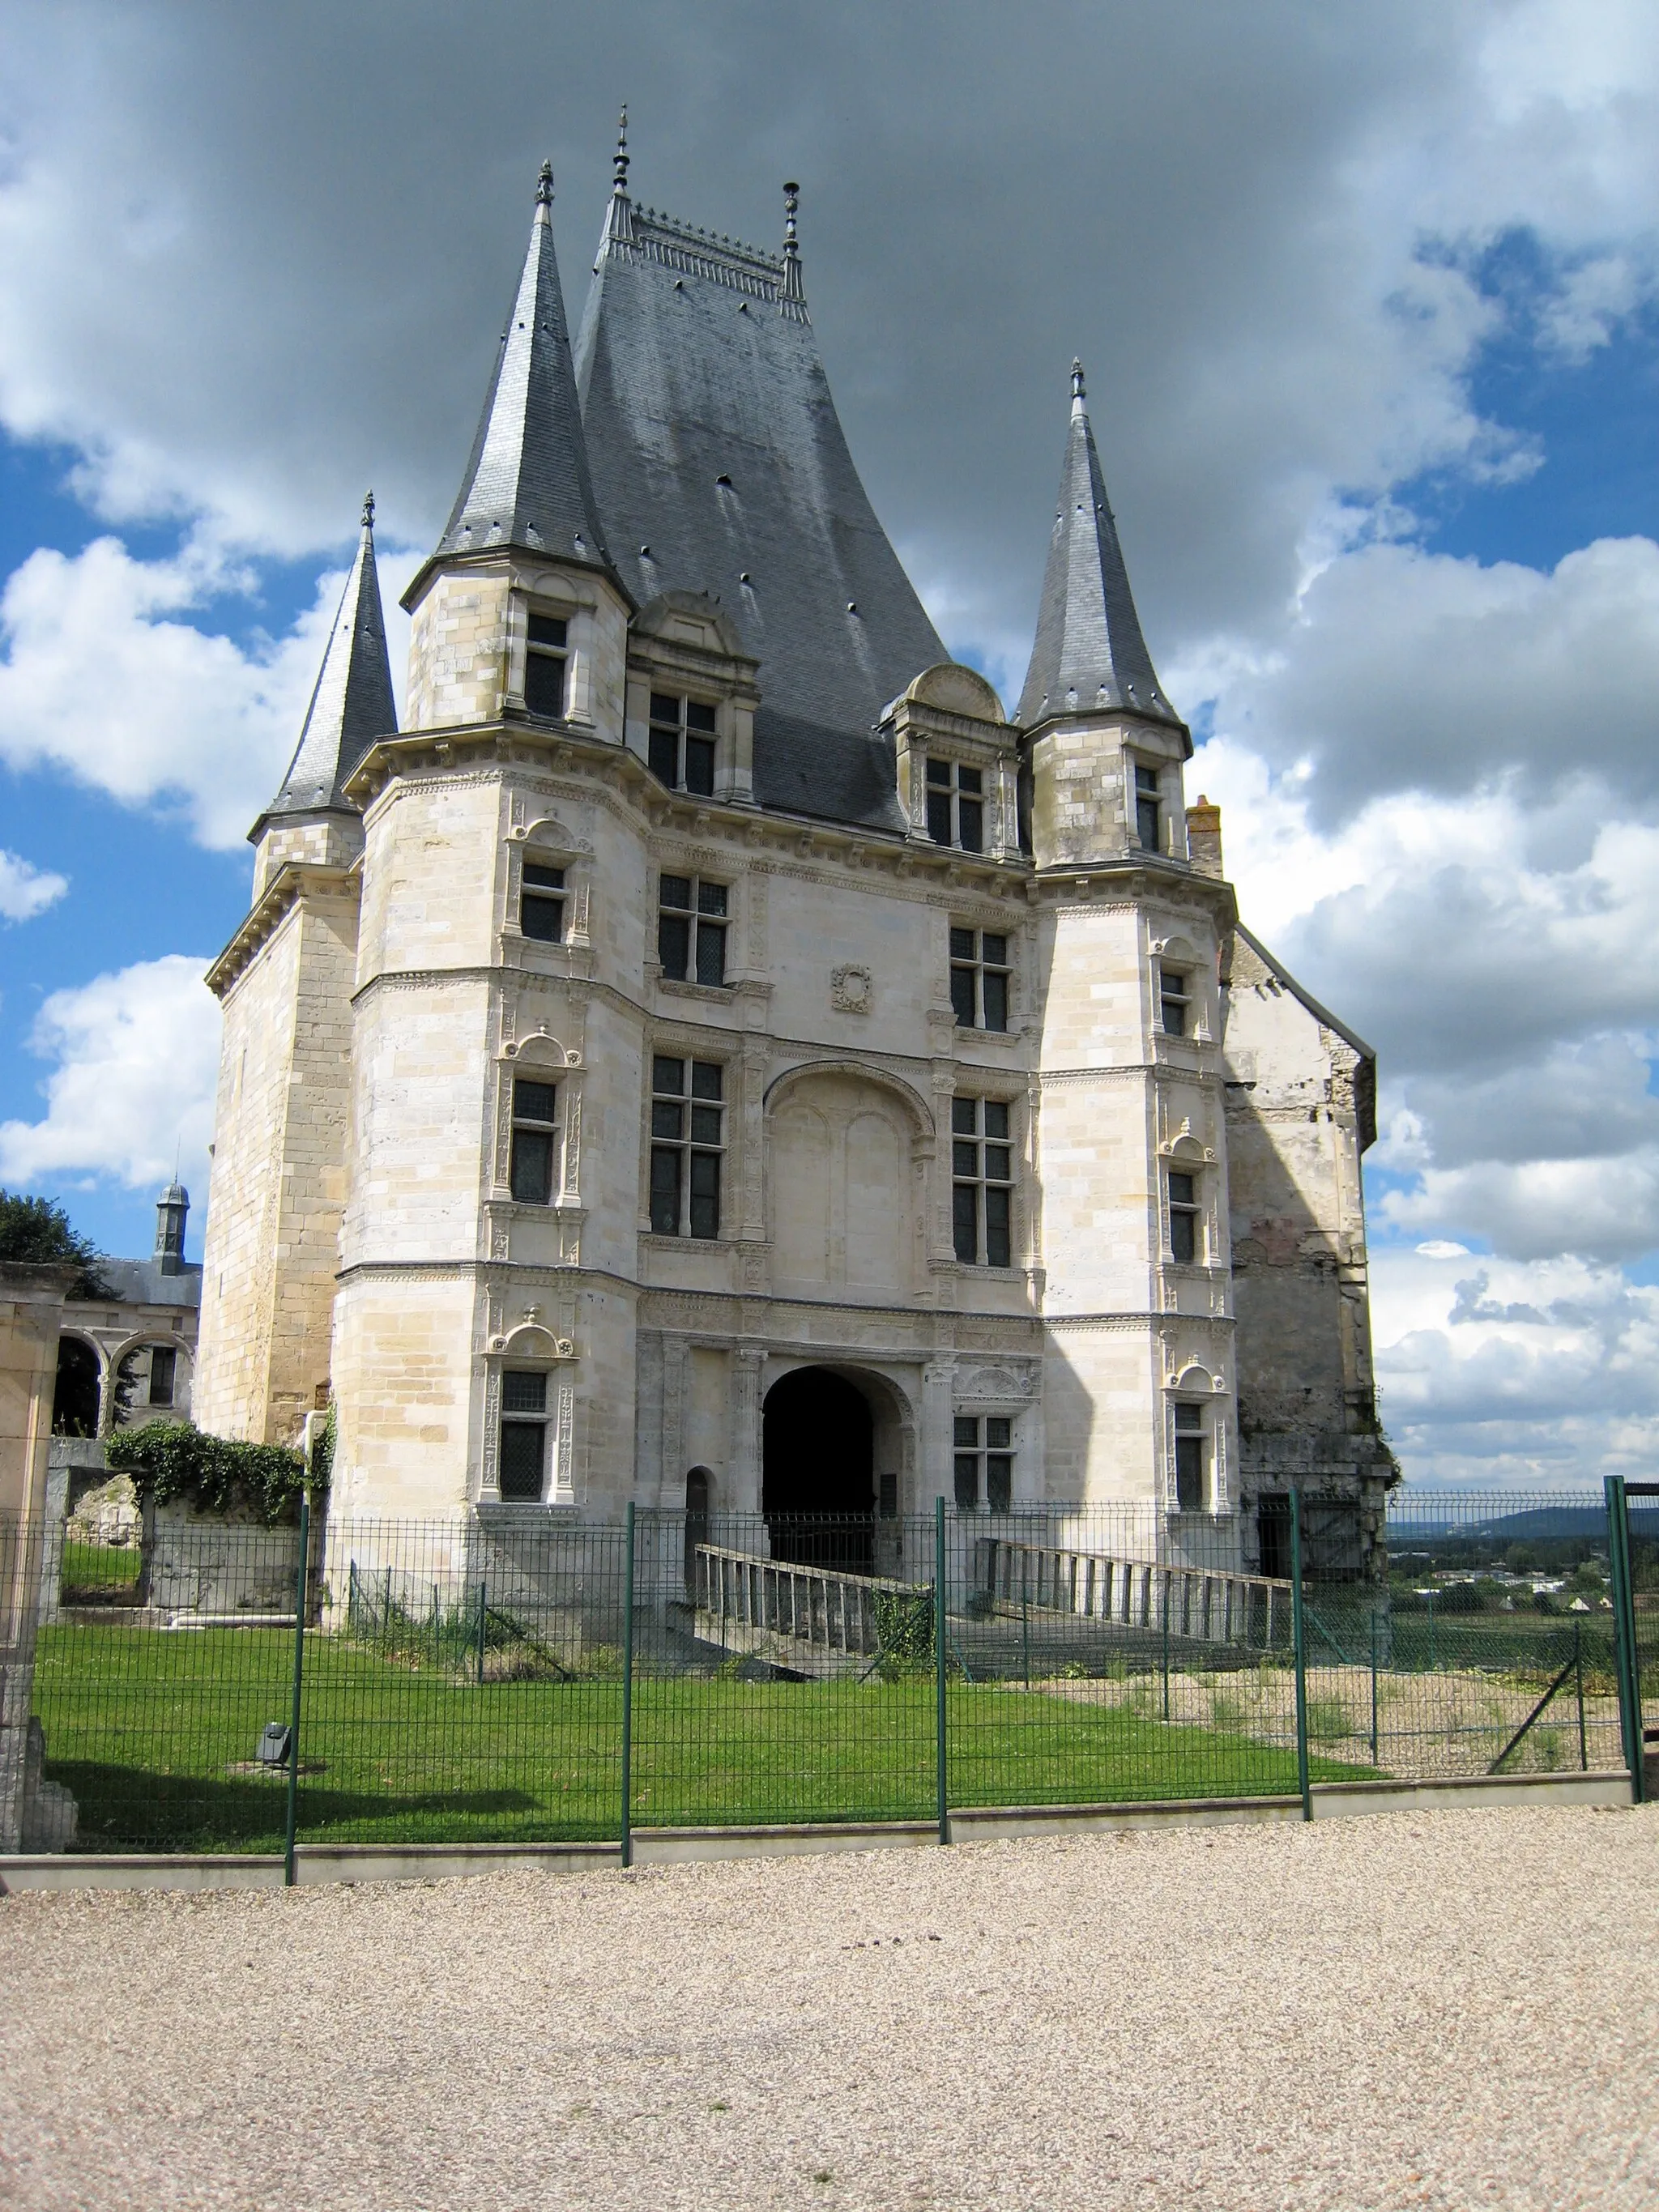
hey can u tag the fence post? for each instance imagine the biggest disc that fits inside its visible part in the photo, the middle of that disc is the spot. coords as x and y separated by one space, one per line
1026 1615
299 1669
939 1708
627 1697
483 1587
1373 1682
1626 1665
1298 1641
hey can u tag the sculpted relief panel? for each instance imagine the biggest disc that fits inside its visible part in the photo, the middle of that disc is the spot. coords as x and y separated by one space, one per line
841 1186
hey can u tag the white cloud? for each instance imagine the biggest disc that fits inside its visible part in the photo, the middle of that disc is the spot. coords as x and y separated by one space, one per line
135 1057
1401 668
1264 254
1495 1372
104 678
25 890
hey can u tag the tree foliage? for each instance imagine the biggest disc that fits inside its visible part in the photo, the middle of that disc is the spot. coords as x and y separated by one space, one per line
34 1230
175 1461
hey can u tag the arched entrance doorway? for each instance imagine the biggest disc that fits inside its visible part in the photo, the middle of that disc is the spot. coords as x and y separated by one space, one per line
818 1494
75 1400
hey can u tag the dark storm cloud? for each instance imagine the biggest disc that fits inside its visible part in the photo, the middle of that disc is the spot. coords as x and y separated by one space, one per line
297 229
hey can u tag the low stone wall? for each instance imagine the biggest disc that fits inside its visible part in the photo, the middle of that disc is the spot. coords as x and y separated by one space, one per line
219 1564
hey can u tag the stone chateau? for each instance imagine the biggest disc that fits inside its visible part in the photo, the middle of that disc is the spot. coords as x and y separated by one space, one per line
712 1054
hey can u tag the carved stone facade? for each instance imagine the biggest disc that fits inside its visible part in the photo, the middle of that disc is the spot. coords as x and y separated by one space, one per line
957 1080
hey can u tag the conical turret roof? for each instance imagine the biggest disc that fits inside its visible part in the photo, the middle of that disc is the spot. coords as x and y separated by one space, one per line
1090 653
526 481
353 702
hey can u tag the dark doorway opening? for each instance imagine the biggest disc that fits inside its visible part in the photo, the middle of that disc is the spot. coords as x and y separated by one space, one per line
1273 1530
75 1400
819 1493
696 1523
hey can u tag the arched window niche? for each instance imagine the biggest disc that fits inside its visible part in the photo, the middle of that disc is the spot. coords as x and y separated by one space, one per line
530 1401
546 894
1195 1442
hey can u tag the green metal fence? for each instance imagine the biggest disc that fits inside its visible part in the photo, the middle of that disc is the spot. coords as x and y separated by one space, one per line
538 1678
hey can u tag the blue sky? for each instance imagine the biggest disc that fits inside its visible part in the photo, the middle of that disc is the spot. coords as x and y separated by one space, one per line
1372 326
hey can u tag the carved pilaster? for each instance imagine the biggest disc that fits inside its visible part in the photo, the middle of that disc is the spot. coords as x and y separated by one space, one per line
563 1490
747 1363
490 1485
937 1385
669 1472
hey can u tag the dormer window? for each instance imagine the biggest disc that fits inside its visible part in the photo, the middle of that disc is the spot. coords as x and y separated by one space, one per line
1147 808
956 805
683 744
545 657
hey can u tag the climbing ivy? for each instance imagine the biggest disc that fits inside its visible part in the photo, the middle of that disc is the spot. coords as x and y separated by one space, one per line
175 1461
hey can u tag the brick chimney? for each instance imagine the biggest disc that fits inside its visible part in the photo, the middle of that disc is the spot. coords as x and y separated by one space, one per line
1204 837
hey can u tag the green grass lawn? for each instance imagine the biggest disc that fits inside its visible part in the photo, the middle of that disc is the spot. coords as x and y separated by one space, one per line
145 1727
99 1570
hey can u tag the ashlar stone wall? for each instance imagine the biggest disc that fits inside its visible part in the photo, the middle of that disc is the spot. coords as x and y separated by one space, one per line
279 1173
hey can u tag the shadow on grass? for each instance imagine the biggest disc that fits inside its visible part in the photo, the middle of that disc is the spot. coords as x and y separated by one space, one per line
124 1808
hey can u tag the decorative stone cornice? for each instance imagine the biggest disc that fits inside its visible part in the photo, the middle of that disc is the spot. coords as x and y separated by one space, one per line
292 883
565 748
1137 880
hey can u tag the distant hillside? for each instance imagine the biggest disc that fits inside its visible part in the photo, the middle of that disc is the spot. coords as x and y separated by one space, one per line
1537 1524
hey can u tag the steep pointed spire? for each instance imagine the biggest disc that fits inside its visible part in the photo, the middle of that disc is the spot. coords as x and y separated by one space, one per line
1089 652
527 482
352 704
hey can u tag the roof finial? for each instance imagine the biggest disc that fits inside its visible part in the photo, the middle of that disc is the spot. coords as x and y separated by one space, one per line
1077 378
794 291
544 192
368 512
619 215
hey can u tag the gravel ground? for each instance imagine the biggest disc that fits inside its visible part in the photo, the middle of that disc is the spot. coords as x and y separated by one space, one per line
1450 2009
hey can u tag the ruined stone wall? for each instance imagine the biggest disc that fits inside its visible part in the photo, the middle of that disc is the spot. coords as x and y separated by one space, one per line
1298 1107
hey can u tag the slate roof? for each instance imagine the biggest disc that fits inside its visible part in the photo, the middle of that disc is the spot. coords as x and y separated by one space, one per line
353 702
720 466
1089 652
526 481
142 1283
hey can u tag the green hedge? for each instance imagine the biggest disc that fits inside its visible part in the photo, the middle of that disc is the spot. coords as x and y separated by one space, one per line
175 1461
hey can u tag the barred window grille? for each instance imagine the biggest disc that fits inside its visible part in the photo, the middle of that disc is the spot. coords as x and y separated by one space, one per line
691 925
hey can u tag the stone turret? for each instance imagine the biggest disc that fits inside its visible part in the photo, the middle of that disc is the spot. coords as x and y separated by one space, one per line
518 609
1106 745
172 1209
311 819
